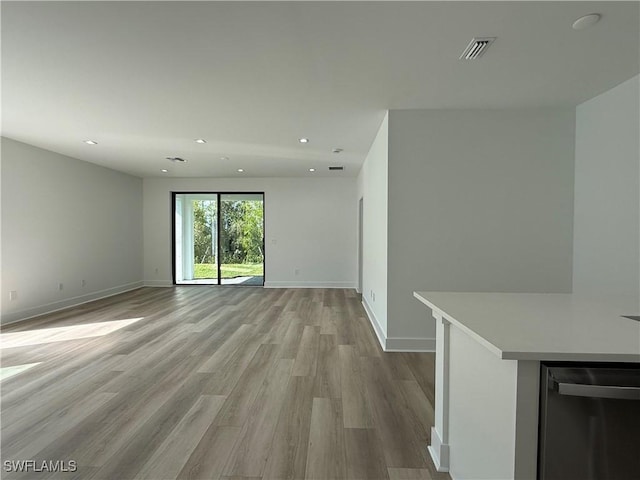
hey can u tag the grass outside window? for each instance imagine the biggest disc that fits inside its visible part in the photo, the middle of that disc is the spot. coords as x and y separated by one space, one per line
230 270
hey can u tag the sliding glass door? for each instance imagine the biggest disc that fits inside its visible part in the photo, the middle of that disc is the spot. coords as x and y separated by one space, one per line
242 238
218 238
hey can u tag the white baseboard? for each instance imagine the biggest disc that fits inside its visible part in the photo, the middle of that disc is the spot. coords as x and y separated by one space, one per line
277 284
439 452
397 344
12 317
157 283
347 285
382 337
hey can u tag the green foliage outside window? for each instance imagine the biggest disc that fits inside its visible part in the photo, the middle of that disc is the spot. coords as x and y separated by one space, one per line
242 232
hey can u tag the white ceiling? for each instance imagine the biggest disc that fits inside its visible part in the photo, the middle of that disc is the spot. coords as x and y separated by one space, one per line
144 79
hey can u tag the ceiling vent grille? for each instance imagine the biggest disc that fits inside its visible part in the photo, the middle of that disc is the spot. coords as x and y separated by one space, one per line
476 48
336 168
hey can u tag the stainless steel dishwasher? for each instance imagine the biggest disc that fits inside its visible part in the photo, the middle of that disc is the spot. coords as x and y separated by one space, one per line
589 422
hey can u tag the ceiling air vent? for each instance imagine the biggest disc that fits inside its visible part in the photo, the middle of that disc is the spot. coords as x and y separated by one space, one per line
476 48
176 159
336 168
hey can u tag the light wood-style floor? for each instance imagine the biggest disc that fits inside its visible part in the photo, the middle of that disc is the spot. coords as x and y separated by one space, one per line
216 382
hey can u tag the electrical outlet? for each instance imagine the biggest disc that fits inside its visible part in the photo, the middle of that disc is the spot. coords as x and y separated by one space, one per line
373 296
60 286
83 283
13 295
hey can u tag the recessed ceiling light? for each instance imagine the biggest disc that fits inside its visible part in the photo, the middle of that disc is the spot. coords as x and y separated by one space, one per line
303 140
586 21
312 169
224 159
200 140
90 142
240 170
164 170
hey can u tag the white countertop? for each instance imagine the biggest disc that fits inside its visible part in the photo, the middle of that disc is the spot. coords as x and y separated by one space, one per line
542 326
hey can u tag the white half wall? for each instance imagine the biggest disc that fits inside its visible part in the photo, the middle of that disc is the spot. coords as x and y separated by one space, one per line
372 188
607 193
65 221
479 200
310 226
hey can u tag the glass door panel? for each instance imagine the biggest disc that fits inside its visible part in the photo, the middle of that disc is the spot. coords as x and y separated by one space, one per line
242 238
195 241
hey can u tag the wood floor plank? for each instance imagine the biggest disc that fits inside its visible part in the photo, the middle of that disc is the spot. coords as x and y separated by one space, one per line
315 312
346 334
288 454
279 330
327 380
307 356
355 404
169 458
409 474
27 442
54 378
211 455
236 477
236 408
235 341
327 322
290 344
266 322
402 448
397 367
251 450
365 458
423 368
419 410
226 375
35 407
127 461
365 338
115 425
326 456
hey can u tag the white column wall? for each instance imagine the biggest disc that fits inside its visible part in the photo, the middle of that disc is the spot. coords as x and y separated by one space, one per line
479 200
607 193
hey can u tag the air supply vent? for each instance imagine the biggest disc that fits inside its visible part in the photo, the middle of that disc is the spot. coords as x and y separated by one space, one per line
336 168
476 48
176 159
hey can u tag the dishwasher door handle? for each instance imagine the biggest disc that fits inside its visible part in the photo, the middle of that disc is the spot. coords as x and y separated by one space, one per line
597 391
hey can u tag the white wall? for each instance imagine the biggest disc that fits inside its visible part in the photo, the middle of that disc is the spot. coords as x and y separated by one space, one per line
607 193
372 188
479 200
310 225
64 221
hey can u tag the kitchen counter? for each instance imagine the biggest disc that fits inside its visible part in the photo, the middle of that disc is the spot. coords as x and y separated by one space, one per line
535 326
488 352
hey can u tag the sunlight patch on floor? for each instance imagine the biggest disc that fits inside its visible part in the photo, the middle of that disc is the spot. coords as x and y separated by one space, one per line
61 334
7 372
